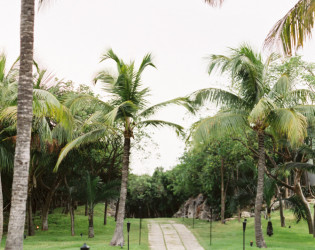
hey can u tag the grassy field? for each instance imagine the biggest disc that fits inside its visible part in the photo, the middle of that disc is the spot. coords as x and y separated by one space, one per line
59 235
230 235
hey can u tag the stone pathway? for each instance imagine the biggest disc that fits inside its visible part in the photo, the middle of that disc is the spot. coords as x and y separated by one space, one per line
171 236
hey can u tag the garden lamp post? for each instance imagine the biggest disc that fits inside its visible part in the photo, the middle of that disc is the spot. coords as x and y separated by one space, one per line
128 230
244 228
85 247
140 225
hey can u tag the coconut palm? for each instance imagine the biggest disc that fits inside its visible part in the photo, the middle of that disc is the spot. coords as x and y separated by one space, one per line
127 111
254 104
291 31
24 123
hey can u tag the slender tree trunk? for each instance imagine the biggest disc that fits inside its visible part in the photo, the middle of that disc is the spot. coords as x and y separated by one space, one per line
282 218
86 209
118 238
91 227
222 192
72 219
299 193
105 212
116 210
24 122
1 210
314 222
30 223
260 242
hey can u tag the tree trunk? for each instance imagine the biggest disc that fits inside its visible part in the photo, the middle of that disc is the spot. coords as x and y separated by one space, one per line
86 209
222 192
72 219
299 193
116 210
1 210
118 238
30 223
24 122
314 222
46 206
105 212
91 227
260 242
282 218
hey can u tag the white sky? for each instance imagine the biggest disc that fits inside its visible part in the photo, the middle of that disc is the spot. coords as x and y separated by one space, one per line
71 35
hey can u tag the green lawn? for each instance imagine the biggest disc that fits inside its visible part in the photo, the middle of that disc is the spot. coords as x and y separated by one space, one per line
59 235
230 235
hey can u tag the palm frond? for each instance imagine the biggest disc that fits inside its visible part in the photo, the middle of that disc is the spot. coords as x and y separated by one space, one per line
83 139
261 110
217 96
181 101
218 126
290 123
158 123
290 32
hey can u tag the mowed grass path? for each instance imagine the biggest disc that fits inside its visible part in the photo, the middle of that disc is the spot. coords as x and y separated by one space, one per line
59 235
230 235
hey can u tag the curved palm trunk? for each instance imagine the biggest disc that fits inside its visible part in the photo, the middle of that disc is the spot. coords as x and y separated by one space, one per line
299 193
260 242
24 123
118 238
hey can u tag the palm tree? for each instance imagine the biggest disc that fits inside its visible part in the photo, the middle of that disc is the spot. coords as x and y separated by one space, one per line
8 86
254 104
94 191
127 111
290 32
24 123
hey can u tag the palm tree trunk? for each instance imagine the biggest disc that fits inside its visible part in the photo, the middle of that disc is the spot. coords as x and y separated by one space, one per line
105 212
260 242
91 226
24 123
222 192
118 238
1 210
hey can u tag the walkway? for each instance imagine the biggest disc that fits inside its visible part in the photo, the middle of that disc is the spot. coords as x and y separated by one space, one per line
171 236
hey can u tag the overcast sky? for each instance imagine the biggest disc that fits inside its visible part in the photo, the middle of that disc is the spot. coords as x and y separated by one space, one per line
71 35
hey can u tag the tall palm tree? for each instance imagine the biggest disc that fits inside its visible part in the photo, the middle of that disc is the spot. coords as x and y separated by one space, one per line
254 104
127 111
24 123
291 31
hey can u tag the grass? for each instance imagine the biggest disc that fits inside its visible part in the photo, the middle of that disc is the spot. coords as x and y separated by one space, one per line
59 235
230 235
